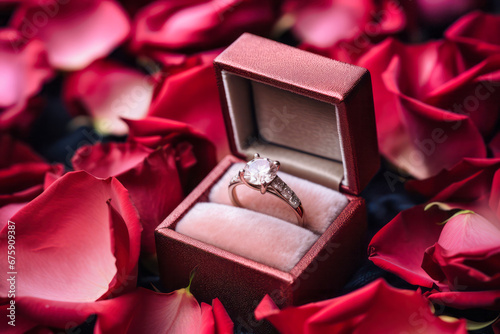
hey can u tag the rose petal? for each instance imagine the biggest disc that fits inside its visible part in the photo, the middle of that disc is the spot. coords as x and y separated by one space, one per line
194 91
109 159
400 245
151 177
469 232
154 131
75 33
361 311
455 177
421 95
195 24
223 324
475 32
495 145
466 299
24 69
14 151
108 92
495 194
146 311
140 311
71 236
22 172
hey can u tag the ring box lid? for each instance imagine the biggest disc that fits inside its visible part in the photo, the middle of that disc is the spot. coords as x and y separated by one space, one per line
313 114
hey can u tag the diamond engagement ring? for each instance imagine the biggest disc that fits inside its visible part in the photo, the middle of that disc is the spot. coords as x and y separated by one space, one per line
261 174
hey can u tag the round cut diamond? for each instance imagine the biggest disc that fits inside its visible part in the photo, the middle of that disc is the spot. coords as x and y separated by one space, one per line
260 171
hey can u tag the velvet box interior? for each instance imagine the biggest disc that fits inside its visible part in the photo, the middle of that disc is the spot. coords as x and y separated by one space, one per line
315 116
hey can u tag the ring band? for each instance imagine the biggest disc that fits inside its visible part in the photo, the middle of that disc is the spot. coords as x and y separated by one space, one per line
260 174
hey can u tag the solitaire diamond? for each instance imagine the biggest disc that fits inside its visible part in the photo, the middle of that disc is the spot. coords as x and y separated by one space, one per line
260 171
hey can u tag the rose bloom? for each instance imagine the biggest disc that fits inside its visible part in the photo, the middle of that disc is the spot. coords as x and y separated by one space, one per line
429 97
375 308
458 261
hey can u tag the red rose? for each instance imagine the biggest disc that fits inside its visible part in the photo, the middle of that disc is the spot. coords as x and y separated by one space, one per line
157 178
459 260
199 25
24 69
75 33
190 95
108 91
76 243
447 181
476 35
375 308
467 253
427 99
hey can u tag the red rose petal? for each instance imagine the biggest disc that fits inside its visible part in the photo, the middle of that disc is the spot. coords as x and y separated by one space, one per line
196 24
476 32
495 145
109 159
400 245
154 131
145 311
14 151
24 69
194 91
151 177
140 311
107 92
223 324
467 169
75 33
207 319
361 311
467 299
65 234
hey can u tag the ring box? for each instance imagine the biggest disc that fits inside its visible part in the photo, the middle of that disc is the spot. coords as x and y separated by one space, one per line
314 115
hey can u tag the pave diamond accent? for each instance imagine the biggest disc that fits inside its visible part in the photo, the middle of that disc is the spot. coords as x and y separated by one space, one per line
286 192
278 184
260 171
295 201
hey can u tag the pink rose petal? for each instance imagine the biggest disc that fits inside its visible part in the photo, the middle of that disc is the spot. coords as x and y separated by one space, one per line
75 33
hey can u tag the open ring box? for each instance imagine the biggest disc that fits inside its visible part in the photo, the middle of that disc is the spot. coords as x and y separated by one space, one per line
315 116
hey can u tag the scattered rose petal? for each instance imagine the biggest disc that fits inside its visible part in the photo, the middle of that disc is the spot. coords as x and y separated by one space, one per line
360 311
75 33
107 92
24 69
